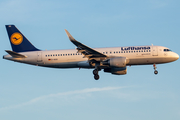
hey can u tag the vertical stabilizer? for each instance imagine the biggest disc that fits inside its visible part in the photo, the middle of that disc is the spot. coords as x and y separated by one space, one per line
19 42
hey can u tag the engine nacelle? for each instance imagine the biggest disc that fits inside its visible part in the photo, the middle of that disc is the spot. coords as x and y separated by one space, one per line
116 71
117 62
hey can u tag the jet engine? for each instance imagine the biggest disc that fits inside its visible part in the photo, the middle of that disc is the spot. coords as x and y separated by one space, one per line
116 62
116 71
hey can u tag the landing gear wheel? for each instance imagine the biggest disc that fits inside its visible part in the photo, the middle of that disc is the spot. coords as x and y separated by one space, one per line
95 71
155 72
96 77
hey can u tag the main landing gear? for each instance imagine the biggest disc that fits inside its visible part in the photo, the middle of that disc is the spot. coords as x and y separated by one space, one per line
155 71
95 72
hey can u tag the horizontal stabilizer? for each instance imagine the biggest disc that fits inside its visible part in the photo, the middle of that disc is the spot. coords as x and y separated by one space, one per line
14 54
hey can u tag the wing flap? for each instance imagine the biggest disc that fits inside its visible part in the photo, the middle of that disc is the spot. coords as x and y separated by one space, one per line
15 54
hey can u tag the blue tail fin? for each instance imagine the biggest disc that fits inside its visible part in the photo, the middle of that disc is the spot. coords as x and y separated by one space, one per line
19 42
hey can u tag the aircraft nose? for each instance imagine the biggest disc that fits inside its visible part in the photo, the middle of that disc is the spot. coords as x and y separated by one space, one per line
176 56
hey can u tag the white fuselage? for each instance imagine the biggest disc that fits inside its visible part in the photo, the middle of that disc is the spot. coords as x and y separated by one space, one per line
71 59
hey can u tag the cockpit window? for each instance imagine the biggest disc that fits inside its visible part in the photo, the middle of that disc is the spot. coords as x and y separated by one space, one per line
166 50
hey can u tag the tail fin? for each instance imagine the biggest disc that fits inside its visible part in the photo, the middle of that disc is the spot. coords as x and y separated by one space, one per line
19 42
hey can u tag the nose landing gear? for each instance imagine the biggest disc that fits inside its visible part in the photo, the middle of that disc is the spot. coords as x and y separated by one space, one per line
155 71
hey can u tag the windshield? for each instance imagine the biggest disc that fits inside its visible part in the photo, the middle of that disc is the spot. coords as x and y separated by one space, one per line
166 50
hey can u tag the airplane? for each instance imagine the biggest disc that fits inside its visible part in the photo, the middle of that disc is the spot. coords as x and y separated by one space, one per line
112 60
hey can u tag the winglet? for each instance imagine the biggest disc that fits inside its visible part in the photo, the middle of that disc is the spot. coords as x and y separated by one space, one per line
85 50
69 36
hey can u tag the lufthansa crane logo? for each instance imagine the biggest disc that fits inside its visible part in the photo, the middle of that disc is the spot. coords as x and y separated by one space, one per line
16 38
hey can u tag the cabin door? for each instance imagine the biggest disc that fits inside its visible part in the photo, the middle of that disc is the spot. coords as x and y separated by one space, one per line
154 51
39 56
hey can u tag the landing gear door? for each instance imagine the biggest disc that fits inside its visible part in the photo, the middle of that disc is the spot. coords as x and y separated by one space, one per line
154 51
39 56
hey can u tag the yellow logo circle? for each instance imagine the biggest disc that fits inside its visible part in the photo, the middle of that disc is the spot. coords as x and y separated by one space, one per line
16 38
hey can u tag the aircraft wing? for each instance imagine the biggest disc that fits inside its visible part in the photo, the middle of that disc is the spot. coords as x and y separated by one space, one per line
85 50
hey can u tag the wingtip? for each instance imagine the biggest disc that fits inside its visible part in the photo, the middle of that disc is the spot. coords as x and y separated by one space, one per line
69 35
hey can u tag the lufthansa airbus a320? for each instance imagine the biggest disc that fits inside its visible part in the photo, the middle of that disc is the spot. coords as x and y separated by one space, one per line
112 60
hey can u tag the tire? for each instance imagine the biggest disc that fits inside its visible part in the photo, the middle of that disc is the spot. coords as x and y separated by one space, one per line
96 77
95 71
155 72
